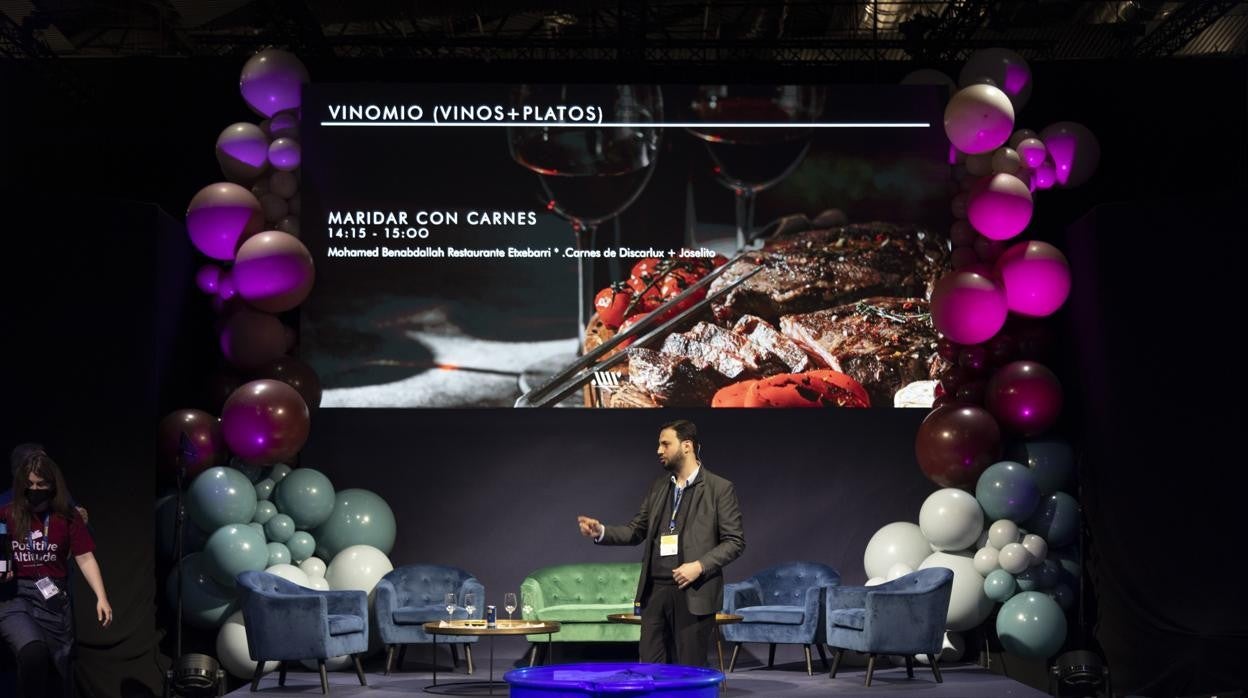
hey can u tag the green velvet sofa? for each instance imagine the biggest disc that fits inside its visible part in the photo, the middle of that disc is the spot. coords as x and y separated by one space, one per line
580 596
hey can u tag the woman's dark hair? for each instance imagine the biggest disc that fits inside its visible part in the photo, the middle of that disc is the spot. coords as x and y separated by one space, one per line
20 453
685 431
42 465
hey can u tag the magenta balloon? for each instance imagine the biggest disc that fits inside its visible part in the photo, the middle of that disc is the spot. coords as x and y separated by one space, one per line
203 433
1025 397
250 339
956 443
285 154
273 271
1036 277
219 216
226 288
272 81
1045 176
242 152
979 119
265 422
1000 206
1073 150
208 278
1032 151
968 307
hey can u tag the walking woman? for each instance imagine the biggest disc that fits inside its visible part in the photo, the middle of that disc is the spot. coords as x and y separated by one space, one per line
44 531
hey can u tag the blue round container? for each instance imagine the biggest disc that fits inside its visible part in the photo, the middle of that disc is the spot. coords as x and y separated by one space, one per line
615 679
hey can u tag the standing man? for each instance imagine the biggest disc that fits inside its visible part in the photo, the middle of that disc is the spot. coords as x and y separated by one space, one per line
690 524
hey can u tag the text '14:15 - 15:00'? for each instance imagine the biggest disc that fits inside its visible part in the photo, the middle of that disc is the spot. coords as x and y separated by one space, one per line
361 232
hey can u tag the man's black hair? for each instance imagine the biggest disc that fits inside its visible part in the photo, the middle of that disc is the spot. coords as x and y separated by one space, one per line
685 431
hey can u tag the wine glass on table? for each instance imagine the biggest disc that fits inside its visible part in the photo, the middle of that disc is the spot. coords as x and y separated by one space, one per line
756 136
587 171
470 604
509 604
450 606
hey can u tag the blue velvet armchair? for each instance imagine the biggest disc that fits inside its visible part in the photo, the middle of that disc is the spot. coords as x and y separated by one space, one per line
780 605
413 595
287 622
903 617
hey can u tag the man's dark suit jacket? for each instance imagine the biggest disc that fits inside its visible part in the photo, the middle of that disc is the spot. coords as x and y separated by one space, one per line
712 534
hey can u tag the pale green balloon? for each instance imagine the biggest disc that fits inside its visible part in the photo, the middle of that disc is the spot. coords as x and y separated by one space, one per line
280 528
220 496
999 585
360 517
302 545
306 496
1031 625
205 604
264 512
278 472
259 527
279 554
232 549
264 489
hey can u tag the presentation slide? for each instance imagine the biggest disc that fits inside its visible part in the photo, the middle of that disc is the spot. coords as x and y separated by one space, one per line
757 245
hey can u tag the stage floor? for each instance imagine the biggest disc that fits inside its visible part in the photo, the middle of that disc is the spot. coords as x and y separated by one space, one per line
788 679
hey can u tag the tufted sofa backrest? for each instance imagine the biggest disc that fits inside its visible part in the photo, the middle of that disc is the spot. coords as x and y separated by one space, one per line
584 583
786 584
426 585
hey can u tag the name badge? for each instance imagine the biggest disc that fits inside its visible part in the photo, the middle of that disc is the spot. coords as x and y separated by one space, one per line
36 535
667 544
48 588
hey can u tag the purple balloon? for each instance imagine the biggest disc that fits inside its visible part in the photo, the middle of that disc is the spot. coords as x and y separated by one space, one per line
999 206
284 125
1025 397
1073 150
219 216
208 278
273 271
285 154
1032 151
1036 277
272 81
226 288
242 152
1045 176
265 422
968 307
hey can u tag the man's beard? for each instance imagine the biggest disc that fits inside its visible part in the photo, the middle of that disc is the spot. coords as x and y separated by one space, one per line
672 465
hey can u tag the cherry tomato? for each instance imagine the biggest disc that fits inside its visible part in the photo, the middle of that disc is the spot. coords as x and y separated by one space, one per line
610 304
629 322
646 268
650 299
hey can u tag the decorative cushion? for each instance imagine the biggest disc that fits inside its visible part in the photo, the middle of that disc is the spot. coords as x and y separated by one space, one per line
852 618
783 615
581 612
345 625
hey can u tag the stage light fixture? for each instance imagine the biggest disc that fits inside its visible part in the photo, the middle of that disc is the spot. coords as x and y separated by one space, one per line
194 676
1079 673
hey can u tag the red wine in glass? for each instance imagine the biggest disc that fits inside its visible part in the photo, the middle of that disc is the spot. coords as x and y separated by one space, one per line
585 177
750 158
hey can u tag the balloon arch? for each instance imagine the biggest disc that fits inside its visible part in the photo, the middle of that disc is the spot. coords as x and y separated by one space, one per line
1004 520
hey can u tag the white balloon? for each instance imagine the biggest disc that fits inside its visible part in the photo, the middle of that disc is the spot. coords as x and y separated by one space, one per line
1021 135
875 581
1036 546
958 205
952 647
1006 161
314 567
982 541
968 604
1014 558
319 584
898 569
357 567
242 152
930 76
951 519
979 119
295 203
979 164
232 649
986 560
900 541
289 224
275 207
1002 533
284 184
1004 68
289 573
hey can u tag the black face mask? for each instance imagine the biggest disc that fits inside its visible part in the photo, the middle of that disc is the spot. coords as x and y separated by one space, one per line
38 498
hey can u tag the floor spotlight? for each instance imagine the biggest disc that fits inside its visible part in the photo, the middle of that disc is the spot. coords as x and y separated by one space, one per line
194 676
1079 673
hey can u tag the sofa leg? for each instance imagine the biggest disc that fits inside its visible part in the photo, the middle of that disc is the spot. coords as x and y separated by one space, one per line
359 669
809 670
732 663
823 657
836 661
454 657
320 664
771 655
389 658
255 676
909 666
935 668
281 674
870 667
468 654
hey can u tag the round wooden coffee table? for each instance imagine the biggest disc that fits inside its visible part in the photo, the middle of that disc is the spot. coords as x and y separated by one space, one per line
720 619
478 628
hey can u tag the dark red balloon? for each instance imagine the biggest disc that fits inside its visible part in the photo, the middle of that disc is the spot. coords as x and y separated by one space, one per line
956 443
298 375
207 446
1025 397
265 422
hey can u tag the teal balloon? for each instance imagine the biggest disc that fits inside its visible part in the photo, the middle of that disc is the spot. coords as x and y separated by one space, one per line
360 517
1027 580
1063 595
1007 490
264 489
280 528
278 472
220 496
279 554
264 512
306 496
232 549
193 538
1031 625
258 527
1056 520
302 545
999 585
1051 460
205 604
254 473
